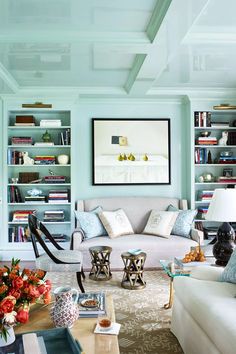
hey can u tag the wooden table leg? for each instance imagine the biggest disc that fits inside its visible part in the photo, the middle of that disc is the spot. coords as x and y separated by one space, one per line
171 295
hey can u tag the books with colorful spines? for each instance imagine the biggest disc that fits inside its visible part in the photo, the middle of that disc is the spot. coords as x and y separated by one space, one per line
22 215
85 311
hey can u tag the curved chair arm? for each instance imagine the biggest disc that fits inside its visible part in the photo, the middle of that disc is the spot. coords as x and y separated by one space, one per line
197 235
77 238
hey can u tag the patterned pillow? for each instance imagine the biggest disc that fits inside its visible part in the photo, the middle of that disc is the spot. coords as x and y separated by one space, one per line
183 223
160 223
229 273
116 223
90 223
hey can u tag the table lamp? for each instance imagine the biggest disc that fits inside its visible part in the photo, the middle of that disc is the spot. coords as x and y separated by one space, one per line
223 208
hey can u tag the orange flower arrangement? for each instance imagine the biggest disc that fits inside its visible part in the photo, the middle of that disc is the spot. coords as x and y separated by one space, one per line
19 289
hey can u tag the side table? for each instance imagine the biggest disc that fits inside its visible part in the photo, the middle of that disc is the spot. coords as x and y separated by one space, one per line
133 271
100 259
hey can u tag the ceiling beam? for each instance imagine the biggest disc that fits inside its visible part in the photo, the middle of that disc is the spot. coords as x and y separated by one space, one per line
65 36
138 62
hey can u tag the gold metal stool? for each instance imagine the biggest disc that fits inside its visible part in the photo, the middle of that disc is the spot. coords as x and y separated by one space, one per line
133 271
100 259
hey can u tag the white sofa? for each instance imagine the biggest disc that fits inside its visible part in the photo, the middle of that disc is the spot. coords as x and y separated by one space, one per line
204 312
137 209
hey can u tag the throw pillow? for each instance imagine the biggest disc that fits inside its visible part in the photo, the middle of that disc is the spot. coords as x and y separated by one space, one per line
229 273
184 221
116 223
90 223
160 223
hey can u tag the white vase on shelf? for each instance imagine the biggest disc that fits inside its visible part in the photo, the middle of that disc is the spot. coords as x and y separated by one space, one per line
63 159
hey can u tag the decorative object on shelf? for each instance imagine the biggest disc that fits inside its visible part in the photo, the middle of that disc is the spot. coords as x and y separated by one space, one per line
65 311
228 172
36 105
205 133
46 137
209 158
208 177
63 159
34 192
226 153
224 106
19 289
27 160
28 177
222 208
14 180
223 140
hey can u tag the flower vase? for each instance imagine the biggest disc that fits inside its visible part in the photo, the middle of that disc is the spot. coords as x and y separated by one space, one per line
10 337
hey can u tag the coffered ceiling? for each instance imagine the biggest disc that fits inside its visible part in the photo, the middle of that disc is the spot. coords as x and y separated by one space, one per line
126 48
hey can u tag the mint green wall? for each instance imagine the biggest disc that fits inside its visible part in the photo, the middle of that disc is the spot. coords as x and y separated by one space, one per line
1 171
82 145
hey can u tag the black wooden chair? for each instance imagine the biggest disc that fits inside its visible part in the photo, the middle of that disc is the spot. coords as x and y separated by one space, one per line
59 260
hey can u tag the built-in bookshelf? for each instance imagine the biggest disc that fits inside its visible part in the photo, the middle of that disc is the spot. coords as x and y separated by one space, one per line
38 173
214 158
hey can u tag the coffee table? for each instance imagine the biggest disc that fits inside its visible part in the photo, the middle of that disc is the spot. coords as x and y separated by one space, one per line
82 330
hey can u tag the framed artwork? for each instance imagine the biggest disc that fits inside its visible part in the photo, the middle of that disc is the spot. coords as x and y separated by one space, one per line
131 151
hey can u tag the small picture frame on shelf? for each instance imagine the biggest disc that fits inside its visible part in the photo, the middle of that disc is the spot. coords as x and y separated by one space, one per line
228 172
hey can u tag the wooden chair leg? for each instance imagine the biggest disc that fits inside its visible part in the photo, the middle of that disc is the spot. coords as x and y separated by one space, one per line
78 275
82 272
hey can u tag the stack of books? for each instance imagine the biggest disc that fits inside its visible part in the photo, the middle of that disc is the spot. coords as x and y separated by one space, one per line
21 140
54 215
34 199
25 121
227 160
50 123
221 125
206 195
22 215
202 211
225 179
18 234
58 196
54 179
44 160
99 307
207 140
42 143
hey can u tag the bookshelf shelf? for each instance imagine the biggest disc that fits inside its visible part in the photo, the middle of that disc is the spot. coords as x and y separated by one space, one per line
45 204
40 166
38 128
37 147
214 164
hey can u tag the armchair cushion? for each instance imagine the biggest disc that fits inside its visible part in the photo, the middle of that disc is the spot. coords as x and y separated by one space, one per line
207 273
229 273
90 223
45 263
184 221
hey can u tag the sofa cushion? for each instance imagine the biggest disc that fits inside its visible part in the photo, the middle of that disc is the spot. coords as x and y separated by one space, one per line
160 223
90 222
116 223
212 305
229 273
184 221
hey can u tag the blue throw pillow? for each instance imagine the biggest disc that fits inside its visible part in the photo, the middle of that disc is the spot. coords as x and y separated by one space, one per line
229 273
90 223
183 223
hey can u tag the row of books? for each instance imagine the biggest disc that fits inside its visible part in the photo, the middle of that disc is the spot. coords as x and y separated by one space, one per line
202 119
201 156
206 195
54 196
64 137
14 195
15 157
18 234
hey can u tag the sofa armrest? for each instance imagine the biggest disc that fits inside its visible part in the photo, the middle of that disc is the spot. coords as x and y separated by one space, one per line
207 273
197 235
76 238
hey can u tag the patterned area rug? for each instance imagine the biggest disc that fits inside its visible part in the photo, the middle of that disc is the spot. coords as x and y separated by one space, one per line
144 322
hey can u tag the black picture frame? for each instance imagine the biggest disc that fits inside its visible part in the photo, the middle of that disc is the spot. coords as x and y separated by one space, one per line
147 140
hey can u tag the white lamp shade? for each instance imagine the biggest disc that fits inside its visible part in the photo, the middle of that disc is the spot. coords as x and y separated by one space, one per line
222 206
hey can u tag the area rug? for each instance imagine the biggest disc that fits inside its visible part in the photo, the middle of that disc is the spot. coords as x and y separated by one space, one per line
144 322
